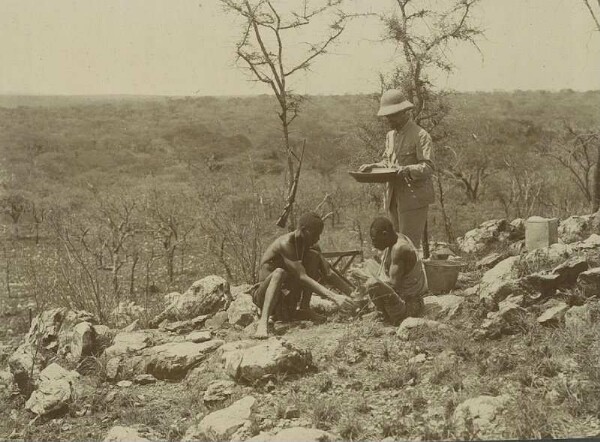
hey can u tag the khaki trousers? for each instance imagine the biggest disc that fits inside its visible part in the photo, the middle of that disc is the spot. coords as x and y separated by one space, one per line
409 222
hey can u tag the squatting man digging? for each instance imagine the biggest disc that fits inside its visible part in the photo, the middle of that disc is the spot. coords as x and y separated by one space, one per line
291 268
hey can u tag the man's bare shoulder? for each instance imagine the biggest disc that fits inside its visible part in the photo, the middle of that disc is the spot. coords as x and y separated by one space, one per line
282 245
403 249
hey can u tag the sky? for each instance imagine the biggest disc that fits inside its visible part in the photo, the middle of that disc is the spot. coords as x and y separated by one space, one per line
185 47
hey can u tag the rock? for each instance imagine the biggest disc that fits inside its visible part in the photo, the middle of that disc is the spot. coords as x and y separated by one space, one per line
57 387
144 379
442 306
222 424
242 311
545 284
506 321
323 306
483 412
134 326
126 313
208 295
589 282
295 434
218 391
578 316
217 321
418 359
570 270
554 315
269 357
199 336
131 342
124 434
411 326
547 257
486 235
83 340
166 361
491 260
183 327
518 229
592 242
574 228
244 289
124 384
50 334
499 282
6 380
291 412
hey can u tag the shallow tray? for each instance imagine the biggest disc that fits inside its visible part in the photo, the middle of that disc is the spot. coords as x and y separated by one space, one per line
376 175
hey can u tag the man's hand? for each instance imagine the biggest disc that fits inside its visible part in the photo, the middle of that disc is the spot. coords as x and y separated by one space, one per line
344 303
403 172
366 167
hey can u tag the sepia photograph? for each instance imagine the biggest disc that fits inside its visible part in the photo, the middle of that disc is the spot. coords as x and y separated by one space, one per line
299 220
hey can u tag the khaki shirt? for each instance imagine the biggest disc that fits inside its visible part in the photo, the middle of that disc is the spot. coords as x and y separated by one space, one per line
411 147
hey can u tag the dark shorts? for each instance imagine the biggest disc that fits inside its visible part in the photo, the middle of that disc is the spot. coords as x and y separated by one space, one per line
286 303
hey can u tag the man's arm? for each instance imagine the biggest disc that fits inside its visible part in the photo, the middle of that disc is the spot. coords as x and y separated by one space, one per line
299 271
399 266
425 167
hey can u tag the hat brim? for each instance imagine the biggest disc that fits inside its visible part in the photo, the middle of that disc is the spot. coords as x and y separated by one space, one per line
395 108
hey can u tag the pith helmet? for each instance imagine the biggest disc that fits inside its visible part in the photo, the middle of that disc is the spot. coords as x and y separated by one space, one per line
392 101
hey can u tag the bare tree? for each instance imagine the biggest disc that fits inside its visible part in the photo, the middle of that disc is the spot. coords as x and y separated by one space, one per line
595 13
577 152
264 48
424 37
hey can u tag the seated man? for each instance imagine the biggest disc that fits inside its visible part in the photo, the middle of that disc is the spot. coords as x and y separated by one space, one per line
398 287
284 279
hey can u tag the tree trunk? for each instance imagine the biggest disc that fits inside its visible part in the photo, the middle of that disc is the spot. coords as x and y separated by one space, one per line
596 185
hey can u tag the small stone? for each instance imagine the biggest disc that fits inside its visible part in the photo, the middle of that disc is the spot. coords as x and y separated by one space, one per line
554 315
199 336
144 379
124 384
421 357
124 434
219 391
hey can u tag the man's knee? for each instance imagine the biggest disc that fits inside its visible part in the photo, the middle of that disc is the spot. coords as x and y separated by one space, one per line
278 275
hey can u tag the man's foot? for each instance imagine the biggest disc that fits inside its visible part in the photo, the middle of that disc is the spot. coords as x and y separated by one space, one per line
261 331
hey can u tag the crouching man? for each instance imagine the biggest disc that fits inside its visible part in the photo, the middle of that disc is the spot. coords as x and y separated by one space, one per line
288 275
398 287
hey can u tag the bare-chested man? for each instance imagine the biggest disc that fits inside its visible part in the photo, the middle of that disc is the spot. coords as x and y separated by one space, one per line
288 272
398 288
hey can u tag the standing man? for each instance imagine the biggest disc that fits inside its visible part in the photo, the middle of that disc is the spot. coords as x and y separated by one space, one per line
408 150
398 287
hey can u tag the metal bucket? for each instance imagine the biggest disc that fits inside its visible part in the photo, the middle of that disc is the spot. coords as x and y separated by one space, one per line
441 274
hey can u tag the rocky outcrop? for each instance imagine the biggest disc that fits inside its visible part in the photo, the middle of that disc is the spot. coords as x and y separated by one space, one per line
483 413
554 315
589 282
242 311
248 361
499 282
575 228
206 296
57 387
221 425
171 360
55 332
218 391
442 306
489 234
